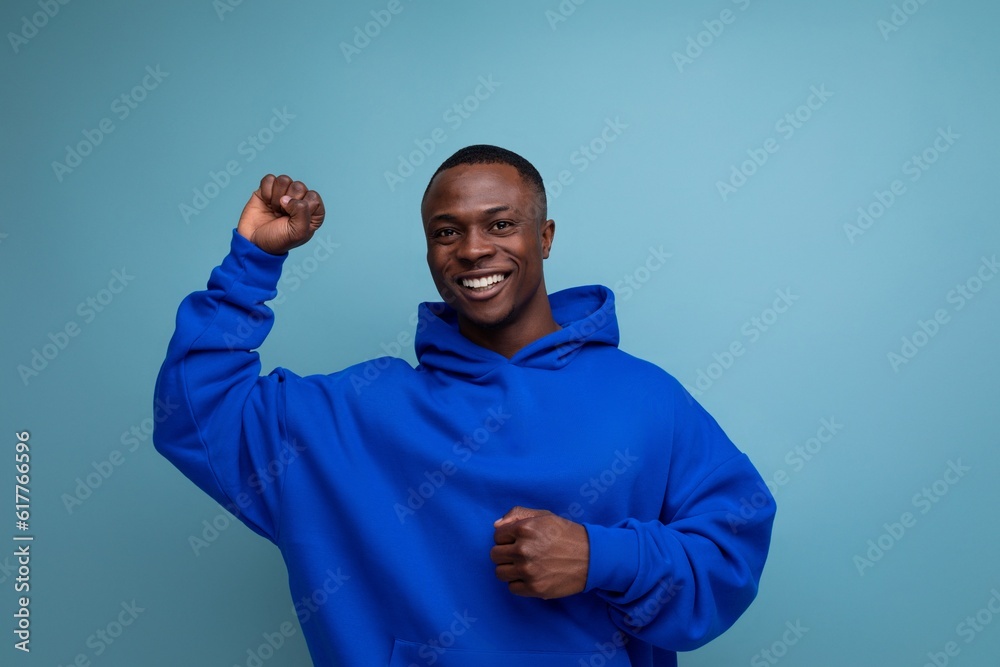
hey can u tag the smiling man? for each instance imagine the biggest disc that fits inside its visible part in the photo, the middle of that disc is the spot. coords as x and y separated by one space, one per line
528 494
486 238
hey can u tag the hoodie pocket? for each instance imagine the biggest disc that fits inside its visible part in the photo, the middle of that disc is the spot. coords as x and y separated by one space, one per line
413 654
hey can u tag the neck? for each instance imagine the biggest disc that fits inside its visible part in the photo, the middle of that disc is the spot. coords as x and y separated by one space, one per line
528 326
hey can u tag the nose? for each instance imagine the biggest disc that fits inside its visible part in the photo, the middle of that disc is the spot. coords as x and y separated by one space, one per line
474 245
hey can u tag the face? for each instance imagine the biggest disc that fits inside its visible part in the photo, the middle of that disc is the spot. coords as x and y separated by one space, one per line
485 244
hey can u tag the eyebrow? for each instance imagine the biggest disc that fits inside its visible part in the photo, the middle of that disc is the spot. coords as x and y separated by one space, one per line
448 217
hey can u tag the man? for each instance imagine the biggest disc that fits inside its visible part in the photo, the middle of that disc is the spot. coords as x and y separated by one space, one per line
528 494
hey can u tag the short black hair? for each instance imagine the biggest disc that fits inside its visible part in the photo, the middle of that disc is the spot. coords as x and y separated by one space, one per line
487 154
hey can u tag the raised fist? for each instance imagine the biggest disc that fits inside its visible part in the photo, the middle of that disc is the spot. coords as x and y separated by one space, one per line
282 214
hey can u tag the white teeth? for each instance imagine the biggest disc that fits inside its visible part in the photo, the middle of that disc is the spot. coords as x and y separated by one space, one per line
480 283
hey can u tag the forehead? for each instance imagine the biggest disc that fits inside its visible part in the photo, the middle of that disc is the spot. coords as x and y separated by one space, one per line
470 188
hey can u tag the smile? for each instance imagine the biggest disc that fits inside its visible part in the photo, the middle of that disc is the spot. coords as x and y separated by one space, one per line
483 284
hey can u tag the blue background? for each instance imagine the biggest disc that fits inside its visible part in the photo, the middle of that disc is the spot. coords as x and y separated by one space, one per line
694 93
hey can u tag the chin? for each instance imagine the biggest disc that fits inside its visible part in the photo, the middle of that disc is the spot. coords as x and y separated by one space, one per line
491 323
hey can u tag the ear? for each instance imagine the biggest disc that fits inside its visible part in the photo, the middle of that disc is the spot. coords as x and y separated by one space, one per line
547 232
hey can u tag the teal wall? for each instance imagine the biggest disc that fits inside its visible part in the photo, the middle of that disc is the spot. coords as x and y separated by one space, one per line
821 175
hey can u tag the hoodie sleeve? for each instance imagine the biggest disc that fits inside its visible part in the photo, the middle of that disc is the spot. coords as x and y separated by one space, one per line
679 582
223 426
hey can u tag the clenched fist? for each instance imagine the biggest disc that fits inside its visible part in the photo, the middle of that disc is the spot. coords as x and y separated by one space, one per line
539 554
282 214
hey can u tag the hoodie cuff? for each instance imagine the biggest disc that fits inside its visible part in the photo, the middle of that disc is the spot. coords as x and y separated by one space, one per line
260 269
614 558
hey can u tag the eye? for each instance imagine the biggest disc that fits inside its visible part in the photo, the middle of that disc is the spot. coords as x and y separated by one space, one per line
442 232
505 223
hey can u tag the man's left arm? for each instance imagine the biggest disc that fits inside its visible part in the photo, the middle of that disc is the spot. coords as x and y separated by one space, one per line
681 583
677 582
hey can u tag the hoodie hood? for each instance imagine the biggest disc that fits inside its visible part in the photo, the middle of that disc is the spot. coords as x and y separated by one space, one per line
586 314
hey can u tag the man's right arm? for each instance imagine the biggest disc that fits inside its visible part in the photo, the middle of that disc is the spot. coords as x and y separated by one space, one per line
223 422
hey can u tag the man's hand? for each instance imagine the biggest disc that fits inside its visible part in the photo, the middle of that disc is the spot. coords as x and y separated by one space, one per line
282 214
540 554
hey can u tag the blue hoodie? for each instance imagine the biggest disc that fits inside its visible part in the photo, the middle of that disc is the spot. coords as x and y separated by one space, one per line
380 483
